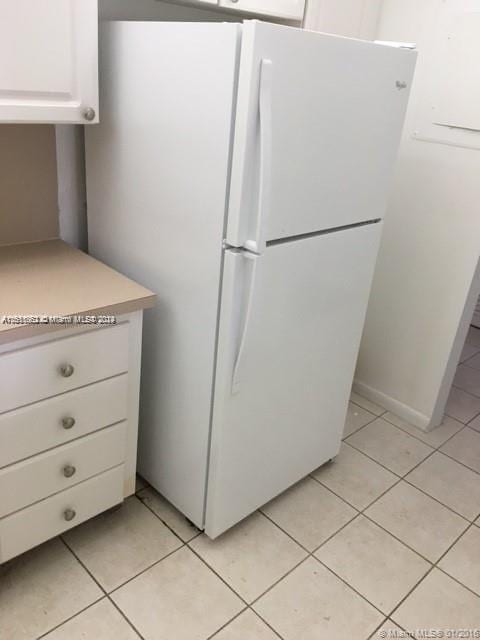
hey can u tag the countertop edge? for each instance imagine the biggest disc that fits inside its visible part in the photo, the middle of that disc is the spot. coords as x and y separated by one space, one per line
22 331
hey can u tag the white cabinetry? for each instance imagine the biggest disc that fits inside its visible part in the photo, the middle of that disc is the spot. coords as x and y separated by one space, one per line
201 10
68 446
49 61
284 9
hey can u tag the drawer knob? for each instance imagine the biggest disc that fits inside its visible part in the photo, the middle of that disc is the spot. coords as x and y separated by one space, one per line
69 470
68 422
67 370
69 514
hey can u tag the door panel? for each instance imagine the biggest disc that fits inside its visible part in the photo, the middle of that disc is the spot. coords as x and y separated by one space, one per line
48 50
336 120
284 415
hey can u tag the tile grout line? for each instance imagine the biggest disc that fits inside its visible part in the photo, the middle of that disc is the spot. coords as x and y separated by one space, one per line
363 425
212 635
57 626
196 535
420 439
399 479
439 449
359 512
124 616
100 587
309 553
435 566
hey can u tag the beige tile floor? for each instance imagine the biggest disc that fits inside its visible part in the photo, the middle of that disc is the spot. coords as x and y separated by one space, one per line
385 538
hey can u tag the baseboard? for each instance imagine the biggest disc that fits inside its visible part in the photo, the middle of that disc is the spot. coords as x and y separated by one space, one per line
395 406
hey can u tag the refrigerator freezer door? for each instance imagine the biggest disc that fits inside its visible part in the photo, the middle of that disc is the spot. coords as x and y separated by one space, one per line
290 327
331 110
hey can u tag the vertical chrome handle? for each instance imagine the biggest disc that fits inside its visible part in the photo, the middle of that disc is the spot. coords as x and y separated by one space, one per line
257 244
248 311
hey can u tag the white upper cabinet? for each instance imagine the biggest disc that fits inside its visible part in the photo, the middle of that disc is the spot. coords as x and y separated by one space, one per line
286 9
49 61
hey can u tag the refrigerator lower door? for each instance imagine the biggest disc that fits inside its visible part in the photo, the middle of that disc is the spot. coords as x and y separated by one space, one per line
290 326
317 127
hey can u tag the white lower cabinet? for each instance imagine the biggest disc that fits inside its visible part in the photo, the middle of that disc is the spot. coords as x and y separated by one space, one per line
32 526
60 468
68 444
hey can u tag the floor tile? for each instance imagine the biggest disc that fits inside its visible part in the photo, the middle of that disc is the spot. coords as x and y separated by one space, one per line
356 418
101 621
436 437
42 588
251 556
355 477
468 351
390 446
117 545
462 405
311 603
417 520
168 514
179 598
449 482
475 424
388 630
374 408
472 356
373 562
467 379
473 336
309 513
439 603
463 560
465 447
248 626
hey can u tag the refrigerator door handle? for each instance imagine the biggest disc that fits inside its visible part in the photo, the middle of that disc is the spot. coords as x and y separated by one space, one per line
238 361
257 245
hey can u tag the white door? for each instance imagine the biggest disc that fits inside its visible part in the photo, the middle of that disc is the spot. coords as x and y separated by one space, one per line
48 54
320 152
290 327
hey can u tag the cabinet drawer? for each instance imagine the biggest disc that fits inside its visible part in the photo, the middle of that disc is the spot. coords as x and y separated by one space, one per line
50 368
27 482
29 527
27 431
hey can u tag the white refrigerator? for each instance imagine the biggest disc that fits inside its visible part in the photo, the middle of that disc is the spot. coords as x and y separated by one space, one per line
241 172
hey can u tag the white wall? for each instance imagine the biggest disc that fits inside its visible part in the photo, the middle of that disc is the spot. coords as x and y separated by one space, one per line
353 18
430 248
28 184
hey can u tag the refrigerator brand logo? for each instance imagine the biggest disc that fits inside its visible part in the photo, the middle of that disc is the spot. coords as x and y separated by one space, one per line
401 84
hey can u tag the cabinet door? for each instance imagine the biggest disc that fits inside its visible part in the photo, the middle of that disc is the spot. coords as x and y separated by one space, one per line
287 9
48 50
